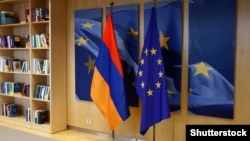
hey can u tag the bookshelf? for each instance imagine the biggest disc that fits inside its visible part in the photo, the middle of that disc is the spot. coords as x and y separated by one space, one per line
49 73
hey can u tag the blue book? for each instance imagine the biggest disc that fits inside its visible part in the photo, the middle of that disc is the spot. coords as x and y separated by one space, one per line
4 41
17 87
13 109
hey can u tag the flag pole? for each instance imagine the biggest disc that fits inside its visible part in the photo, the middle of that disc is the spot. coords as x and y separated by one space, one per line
153 132
111 11
111 6
154 3
113 135
154 125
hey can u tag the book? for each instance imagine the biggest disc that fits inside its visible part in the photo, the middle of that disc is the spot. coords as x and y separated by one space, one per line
4 63
1 88
40 116
27 41
47 93
39 14
16 42
4 110
4 88
1 41
25 90
18 88
44 12
27 114
8 88
7 17
38 41
38 65
35 93
41 92
12 110
46 68
16 65
25 66
4 41
27 15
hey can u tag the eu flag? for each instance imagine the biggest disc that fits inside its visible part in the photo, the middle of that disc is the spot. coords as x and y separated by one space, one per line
151 79
107 87
211 94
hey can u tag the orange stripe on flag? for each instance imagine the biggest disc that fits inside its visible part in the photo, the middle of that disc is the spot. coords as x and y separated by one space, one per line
103 100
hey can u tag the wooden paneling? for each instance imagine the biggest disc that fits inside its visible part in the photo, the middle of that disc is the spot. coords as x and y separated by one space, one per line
242 75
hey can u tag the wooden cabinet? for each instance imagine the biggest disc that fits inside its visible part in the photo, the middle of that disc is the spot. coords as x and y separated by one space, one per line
47 77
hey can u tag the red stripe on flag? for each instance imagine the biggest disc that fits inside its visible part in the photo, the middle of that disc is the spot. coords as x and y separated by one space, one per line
110 41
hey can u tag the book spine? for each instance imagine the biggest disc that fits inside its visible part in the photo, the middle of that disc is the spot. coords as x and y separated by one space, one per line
27 115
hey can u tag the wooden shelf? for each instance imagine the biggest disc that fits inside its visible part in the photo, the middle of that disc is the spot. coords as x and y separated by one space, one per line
55 54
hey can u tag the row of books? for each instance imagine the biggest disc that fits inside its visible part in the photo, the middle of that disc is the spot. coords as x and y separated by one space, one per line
14 88
23 89
37 14
9 109
14 41
10 41
8 64
40 40
41 66
40 116
7 17
42 92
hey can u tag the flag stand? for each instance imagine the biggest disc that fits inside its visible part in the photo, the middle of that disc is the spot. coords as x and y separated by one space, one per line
113 135
153 132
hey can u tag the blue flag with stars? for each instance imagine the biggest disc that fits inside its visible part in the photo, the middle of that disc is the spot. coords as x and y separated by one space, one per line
151 79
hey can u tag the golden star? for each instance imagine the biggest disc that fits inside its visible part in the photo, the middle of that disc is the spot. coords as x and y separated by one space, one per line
142 84
90 64
153 51
81 41
160 74
87 25
133 32
150 92
146 52
158 84
163 41
140 73
159 61
201 68
142 61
